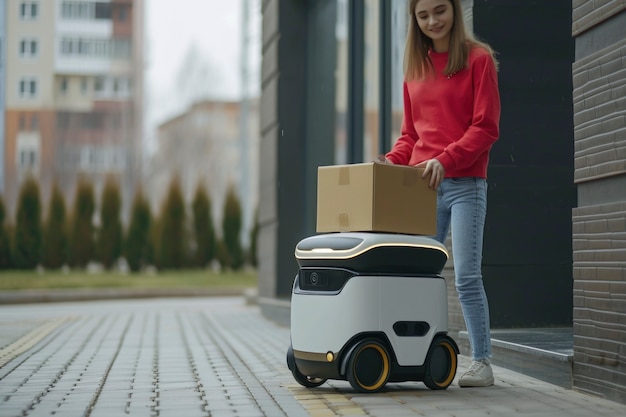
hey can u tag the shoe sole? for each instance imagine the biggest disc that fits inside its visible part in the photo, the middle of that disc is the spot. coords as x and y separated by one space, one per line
476 384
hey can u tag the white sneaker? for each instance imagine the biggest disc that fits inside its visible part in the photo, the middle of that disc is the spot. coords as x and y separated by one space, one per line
479 374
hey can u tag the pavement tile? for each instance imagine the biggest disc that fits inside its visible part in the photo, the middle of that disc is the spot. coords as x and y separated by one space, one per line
181 358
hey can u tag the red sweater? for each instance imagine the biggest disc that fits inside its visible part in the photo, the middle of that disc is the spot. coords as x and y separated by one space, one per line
454 120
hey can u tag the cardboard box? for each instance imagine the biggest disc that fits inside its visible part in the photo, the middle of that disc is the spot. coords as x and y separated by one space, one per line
375 197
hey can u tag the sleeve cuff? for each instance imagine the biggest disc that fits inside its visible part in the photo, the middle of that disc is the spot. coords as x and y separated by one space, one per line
446 160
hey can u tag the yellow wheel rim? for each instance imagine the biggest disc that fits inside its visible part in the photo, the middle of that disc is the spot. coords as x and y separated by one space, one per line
385 368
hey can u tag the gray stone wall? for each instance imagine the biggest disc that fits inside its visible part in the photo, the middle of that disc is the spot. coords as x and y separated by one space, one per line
268 175
599 220
296 131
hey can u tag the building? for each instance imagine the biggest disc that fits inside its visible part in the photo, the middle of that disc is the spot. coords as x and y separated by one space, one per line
599 218
554 239
73 96
2 89
204 147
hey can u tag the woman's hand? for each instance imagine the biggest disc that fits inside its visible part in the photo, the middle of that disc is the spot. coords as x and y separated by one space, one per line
383 159
436 171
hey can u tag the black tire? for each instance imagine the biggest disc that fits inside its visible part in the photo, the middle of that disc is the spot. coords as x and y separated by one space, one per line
369 366
306 381
441 364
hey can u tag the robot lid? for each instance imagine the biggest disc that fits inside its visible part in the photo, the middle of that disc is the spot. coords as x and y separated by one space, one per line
373 252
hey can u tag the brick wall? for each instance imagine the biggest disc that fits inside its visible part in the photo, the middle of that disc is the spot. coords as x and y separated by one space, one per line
600 299
599 220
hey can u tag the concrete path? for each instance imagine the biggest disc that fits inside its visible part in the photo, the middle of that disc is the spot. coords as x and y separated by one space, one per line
187 357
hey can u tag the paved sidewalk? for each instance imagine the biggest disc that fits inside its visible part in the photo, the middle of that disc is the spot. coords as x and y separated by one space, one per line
216 356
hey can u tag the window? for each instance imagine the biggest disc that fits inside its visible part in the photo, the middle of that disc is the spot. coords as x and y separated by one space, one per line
28 48
103 10
99 86
84 46
101 48
34 122
84 85
399 23
96 48
28 87
67 46
28 159
27 152
85 10
63 85
29 10
341 72
371 98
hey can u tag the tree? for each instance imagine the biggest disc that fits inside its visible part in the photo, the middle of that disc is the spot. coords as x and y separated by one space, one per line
203 229
254 235
54 248
27 241
5 239
231 229
82 229
137 245
109 243
222 256
172 238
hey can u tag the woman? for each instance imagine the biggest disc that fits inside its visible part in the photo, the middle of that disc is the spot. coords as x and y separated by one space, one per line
451 120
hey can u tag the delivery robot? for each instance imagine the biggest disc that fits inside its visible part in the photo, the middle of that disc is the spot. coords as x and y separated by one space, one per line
371 308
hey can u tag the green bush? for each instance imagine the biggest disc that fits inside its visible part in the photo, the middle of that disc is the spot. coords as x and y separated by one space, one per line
137 245
203 230
222 256
82 229
27 240
5 239
254 235
172 242
109 242
231 229
54 250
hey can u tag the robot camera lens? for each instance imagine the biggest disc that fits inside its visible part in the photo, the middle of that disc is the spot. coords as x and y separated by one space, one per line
314 278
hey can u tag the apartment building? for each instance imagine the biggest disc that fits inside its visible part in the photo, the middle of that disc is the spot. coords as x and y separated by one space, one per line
2 89
72 93
207 145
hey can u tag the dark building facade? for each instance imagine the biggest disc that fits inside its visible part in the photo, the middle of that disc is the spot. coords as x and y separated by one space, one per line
599 218
554 252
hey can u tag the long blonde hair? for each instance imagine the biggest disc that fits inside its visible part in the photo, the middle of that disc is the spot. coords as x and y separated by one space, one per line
417 62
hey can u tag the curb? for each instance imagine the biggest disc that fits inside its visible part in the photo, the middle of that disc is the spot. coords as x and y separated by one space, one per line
55 296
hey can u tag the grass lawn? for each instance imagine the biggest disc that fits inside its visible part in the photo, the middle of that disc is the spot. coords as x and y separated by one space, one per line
31 280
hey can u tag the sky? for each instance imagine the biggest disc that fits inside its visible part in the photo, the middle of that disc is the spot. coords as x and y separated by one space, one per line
211 28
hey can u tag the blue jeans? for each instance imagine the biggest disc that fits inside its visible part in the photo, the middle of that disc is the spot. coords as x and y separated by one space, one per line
462 204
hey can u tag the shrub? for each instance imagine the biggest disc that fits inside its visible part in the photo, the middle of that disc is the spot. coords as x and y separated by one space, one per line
109 242
222 256
254 235
203 230
137 245
172 238
54 249
231 229
27 241
5 239
82 229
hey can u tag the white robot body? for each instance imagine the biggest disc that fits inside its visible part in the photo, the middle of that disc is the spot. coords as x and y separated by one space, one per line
371 308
